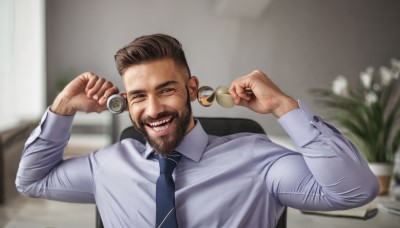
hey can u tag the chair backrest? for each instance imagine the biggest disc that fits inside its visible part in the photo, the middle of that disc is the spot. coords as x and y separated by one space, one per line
214 126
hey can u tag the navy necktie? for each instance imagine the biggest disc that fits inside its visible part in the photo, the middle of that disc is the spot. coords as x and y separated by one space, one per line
165 192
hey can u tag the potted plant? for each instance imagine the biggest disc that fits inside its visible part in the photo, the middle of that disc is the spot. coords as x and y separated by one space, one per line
369 115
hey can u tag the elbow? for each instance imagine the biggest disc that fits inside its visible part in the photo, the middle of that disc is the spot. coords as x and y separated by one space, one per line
359 195
24 189
374 188
371 188
21 188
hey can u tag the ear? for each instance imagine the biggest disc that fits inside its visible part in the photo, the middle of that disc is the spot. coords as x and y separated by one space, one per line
193 86
123 94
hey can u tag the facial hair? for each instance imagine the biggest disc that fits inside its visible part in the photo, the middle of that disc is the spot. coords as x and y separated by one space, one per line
164 145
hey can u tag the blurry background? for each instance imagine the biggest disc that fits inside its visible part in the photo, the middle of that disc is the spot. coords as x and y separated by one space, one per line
300 44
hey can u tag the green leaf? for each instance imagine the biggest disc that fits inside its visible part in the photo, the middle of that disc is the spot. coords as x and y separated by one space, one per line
374 128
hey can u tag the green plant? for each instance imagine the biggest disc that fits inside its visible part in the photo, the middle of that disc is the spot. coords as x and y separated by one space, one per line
369 113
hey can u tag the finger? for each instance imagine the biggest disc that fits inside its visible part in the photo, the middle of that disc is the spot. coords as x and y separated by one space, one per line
232 92
91 80
236 93
234 89
92 93
107 94
100 108
104 86
242 102
243 93
239 93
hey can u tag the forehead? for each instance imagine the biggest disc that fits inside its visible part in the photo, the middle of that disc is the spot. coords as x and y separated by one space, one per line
150 74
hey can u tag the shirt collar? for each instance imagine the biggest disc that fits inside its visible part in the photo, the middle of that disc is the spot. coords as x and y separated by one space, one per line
192 146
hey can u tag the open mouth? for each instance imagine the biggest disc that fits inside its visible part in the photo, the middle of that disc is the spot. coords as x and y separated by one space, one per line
160 125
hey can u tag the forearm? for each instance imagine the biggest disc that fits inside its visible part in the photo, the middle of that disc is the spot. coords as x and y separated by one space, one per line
43 172
337 175
43 151
38 160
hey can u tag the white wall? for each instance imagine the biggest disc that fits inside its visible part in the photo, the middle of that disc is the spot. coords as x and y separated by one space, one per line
5 54
299 43
22 61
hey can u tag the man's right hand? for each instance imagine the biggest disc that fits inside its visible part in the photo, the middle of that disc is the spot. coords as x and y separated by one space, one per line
86 93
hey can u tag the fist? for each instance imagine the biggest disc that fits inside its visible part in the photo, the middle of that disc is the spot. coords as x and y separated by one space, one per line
87 93
266 97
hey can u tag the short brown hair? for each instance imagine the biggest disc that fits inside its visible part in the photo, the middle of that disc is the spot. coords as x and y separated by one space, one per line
150 48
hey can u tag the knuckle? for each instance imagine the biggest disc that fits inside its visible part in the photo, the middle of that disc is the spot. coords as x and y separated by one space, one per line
257 71
90 74
108 84
101 80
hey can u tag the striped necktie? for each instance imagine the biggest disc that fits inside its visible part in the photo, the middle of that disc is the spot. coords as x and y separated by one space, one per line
165 192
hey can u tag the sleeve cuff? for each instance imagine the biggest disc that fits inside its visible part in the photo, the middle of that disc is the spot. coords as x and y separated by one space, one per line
300 125
55 128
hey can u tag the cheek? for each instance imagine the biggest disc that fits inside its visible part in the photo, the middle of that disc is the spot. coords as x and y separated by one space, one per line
177 104
178 107
174 102
182 99
134 114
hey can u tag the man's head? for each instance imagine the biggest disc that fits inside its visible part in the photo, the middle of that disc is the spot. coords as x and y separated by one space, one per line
150 48
159 89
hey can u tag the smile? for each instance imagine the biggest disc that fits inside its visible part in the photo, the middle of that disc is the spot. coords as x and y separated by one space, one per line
160 125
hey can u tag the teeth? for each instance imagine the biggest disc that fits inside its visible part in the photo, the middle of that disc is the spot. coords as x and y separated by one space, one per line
162 128
154 124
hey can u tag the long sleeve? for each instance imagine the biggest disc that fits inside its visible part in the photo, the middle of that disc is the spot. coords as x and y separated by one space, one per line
43 172
330 175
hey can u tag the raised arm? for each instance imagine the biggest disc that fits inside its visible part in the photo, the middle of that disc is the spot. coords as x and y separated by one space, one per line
329 173
42 171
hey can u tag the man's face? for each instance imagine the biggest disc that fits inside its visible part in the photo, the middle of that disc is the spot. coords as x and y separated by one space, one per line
159 94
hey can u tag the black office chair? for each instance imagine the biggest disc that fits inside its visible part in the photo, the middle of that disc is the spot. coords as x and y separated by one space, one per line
213 126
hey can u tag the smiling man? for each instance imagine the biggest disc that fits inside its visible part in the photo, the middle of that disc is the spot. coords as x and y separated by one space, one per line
182 176
160 104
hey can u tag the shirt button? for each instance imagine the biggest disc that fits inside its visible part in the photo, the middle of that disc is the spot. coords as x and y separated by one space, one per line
316 119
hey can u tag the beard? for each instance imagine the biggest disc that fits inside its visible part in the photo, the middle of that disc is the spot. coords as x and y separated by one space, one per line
165 144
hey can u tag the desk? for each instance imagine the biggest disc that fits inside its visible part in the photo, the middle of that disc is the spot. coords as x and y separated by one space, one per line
12 142
383 219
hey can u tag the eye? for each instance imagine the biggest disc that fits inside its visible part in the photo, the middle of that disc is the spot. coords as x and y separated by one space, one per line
137 98
167 91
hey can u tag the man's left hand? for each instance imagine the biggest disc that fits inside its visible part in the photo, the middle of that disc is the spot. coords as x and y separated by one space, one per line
266 97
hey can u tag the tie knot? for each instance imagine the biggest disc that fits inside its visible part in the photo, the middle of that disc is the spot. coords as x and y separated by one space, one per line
168 163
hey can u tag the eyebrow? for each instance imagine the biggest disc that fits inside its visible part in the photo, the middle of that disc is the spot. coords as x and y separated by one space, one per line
162 85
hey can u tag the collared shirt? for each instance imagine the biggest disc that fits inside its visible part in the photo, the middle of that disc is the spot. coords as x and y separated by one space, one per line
240 180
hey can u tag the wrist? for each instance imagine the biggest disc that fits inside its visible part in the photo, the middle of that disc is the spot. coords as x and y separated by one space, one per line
285 105
61 106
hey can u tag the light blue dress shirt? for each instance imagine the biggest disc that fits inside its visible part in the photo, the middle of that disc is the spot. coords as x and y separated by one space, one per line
240 180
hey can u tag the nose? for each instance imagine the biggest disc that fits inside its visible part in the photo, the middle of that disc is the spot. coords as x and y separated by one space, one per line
154 107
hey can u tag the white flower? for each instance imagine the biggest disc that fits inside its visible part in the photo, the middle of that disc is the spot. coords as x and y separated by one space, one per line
369 70
396 75
339 85
366 77
371 98
395 63
386 75
395 67
376 87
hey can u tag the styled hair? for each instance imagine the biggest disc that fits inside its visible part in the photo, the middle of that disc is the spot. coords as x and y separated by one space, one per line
150 48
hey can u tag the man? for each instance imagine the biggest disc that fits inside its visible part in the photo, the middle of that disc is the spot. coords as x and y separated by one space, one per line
241 180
